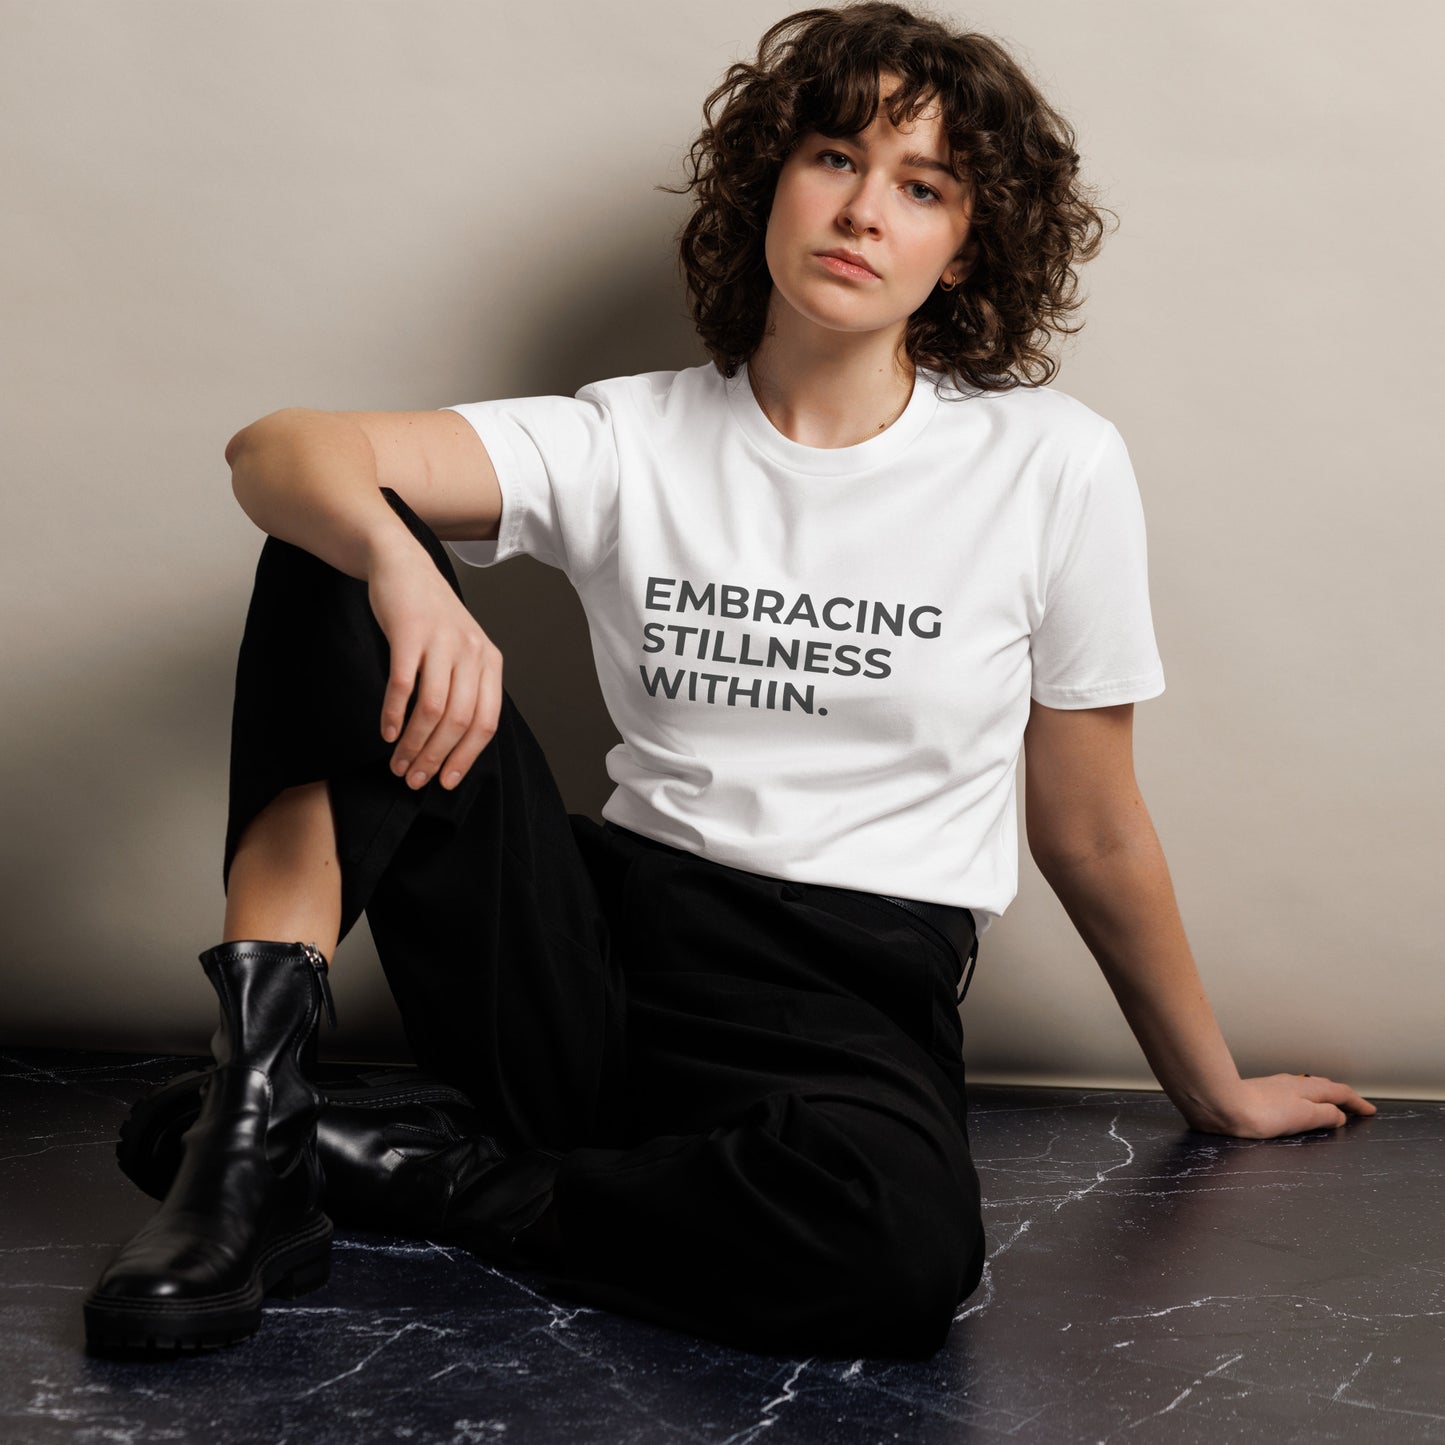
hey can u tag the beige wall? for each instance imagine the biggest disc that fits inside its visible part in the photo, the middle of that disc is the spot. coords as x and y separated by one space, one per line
216 209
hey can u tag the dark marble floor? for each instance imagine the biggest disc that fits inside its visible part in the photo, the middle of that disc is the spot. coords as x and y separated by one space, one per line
1144 1283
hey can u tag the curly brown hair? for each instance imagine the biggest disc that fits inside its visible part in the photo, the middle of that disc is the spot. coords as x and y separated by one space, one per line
818 70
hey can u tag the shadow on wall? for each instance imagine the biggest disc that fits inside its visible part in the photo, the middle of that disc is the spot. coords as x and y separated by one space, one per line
116 812
117 773
616 318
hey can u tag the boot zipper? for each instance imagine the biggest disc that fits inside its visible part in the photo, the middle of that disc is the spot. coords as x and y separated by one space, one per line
317 960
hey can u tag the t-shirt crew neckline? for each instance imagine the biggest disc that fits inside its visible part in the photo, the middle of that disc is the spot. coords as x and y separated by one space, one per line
831 461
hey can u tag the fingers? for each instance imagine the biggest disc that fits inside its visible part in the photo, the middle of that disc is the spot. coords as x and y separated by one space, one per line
414 758
1347 1099
454 718
1276 1105
1336 1102
405 659
483 726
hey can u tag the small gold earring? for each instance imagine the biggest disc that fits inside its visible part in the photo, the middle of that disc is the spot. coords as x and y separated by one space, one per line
943 282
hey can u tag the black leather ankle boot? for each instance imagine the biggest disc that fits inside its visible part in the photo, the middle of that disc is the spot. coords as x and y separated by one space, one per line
242 1217
372 1131
486 1200
399 1150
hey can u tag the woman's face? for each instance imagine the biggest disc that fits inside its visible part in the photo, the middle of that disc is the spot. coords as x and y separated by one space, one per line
889 196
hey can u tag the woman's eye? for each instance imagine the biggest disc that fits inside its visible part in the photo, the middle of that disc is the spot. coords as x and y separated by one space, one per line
928 197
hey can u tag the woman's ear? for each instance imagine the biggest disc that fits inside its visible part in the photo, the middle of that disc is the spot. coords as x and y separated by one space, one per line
963 263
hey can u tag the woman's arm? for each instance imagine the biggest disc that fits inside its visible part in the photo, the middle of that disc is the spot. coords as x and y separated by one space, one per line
1091 836
314 479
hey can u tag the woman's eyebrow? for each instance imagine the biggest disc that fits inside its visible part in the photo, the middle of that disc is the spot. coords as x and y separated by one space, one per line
927 163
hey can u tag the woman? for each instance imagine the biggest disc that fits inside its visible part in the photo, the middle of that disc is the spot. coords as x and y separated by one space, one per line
703 1061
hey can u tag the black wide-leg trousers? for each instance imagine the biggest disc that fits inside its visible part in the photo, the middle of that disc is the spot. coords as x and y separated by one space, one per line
757 1085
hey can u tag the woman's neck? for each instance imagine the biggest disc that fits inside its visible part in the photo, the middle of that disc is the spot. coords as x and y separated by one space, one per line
821 391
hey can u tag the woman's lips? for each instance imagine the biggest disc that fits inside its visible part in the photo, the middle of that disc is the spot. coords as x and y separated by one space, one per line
847 268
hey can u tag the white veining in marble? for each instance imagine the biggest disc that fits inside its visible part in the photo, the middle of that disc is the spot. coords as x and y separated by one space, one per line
1143 1283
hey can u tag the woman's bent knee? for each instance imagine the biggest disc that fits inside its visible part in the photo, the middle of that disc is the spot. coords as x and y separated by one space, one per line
909 1287
892 1293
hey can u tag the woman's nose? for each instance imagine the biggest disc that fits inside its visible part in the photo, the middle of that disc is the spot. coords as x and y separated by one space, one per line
858 218
861 210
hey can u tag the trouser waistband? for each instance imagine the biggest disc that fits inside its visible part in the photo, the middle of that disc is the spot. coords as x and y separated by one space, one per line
955 923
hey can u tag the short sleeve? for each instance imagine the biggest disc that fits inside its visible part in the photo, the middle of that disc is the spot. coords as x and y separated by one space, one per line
1095 645
556 459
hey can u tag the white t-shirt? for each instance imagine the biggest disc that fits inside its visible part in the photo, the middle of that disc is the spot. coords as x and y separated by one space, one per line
820 660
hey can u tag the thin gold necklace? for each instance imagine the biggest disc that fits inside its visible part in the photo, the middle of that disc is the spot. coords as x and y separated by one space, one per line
882 425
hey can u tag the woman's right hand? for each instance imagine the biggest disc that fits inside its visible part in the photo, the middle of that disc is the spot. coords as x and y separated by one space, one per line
434 636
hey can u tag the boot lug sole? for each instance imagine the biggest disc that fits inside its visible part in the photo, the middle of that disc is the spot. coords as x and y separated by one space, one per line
294 1265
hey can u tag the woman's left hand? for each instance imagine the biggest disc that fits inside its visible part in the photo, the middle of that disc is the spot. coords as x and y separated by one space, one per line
1278 1104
